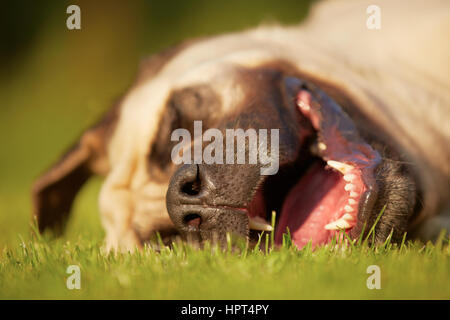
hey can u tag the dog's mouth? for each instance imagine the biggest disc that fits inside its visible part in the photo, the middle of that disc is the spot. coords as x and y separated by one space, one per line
331 188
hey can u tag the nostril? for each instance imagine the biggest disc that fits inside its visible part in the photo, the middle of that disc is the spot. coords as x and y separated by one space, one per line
192 220
191 188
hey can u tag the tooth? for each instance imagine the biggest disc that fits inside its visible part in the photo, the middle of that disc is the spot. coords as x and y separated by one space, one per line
348 208
303 105
353 194
331 226
322 146
349 177
351 201
349 187
338 224
340 166
347 217
258 223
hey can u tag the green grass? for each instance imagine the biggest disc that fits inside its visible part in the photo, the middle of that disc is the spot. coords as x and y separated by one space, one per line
36 269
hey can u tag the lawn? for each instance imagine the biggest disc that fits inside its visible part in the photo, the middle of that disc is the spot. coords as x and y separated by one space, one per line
37 269
61 82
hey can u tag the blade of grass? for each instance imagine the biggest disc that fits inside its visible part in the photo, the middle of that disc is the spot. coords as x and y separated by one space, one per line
361 235
372 230
387 242
267 243
402 245
349 240
258 244
35 229
287 240
272 233
440 239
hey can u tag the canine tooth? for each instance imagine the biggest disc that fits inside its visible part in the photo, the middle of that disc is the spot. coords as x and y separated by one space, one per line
353 194
257 223
351 201
349 187
338 224
348 209
349 177
339 166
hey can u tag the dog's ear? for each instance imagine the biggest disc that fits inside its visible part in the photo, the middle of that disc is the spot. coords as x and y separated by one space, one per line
54 191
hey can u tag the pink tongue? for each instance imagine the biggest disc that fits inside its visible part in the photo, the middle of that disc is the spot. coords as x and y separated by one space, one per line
316 200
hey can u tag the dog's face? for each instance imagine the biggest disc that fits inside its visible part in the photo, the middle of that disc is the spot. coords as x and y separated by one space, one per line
331 177
330 174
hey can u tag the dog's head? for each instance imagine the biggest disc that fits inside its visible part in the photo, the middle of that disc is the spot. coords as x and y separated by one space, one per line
327 173
305 152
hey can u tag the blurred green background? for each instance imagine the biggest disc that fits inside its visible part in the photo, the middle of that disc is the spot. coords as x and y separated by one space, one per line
55 82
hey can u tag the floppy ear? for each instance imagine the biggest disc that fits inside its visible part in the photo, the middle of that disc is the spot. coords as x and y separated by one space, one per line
53 193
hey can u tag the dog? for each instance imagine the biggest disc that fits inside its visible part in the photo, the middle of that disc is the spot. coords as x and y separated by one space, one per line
364 130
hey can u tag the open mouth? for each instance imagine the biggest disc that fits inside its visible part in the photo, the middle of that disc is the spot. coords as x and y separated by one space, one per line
335 189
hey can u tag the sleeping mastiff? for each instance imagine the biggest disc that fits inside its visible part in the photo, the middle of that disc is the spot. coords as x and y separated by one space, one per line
363 121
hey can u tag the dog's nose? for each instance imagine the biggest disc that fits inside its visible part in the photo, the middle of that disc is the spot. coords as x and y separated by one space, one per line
188 190
196 203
